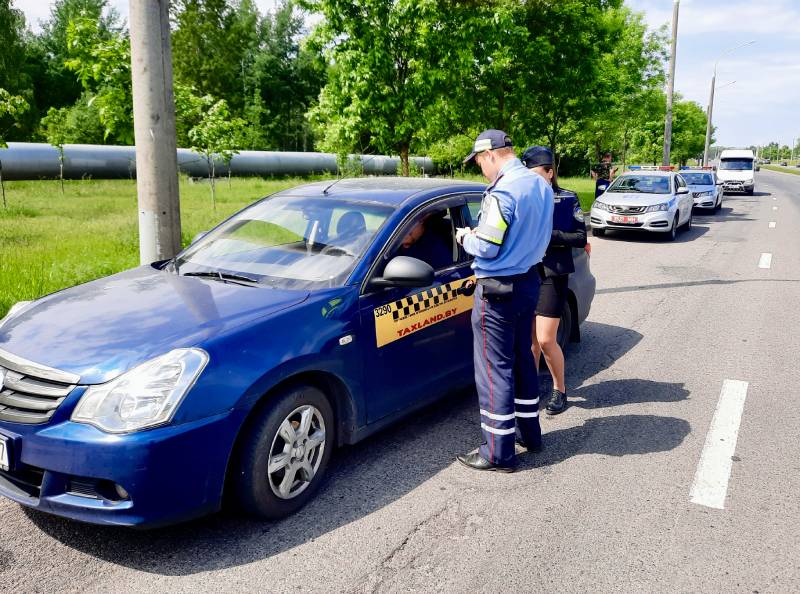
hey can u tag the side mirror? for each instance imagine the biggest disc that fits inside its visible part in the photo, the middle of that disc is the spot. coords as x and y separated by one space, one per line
403 271
683 190
199 236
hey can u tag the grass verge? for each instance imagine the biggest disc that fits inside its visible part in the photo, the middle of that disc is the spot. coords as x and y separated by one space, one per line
781 169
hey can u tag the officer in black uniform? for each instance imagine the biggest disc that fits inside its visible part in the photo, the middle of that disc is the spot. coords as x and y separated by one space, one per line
569 231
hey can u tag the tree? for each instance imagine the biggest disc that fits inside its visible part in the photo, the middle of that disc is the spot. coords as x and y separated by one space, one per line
14 75
54 125
216 136
688 131
282 80
388 57
103 65
11 106
57 85
212 43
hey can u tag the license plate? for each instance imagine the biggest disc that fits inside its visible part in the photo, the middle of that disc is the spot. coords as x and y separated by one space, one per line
4 462
615 219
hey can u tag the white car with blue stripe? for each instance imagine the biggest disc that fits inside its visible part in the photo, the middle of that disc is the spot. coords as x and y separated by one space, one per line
707 190
655 199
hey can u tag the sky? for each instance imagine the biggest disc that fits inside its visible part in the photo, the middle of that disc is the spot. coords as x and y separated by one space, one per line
762 104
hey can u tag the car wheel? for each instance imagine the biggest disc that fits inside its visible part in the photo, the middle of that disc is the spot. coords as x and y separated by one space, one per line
285 453
598 232
564 327
718 205
673 233
687 226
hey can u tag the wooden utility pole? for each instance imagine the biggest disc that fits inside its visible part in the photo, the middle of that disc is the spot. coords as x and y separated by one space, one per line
154 128
671 84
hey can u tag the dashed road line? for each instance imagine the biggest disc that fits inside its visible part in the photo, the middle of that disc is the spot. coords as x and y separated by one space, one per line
765 261
772 224
710 486
774 208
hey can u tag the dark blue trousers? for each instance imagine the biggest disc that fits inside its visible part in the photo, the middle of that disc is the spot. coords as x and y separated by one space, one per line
505 374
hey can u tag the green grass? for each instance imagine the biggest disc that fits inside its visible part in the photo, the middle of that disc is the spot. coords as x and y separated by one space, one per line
793 171
49 241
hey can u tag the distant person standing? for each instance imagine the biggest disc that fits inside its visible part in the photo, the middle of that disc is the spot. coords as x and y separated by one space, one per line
569 231
603 174
514 228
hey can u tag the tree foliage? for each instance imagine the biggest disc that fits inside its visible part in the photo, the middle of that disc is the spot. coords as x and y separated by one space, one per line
216 134
103 66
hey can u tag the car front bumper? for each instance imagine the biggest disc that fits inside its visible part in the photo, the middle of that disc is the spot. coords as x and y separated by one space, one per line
171 474
708 202
659 222
738 186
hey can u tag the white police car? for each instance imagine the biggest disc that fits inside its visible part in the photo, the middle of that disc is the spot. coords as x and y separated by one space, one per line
655 199
706 189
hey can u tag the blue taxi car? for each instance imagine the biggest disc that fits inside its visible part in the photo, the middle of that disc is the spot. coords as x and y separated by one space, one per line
310 319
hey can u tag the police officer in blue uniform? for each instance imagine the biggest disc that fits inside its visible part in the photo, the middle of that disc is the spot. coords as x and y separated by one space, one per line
513 231
569 231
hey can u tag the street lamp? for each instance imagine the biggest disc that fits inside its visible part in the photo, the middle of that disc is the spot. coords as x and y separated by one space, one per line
711 97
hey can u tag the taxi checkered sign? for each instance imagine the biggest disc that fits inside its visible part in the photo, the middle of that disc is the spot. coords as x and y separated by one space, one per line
411 314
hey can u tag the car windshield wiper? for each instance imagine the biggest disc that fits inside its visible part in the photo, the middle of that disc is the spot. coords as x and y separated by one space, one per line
625 190
225 277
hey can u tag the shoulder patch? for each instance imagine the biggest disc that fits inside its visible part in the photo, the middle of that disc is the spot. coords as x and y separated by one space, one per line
578 214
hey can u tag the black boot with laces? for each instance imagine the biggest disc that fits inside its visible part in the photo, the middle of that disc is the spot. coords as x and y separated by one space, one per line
557 403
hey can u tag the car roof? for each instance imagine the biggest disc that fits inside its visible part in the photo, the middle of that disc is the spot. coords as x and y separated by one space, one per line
392 191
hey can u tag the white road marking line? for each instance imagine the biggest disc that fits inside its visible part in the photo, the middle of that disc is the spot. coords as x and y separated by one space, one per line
774 208
765 261
710 484
772 224
774 197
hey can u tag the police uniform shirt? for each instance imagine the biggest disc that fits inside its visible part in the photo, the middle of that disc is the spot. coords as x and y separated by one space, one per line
515 223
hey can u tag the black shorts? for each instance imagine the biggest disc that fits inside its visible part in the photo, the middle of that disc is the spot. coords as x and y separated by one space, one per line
552 295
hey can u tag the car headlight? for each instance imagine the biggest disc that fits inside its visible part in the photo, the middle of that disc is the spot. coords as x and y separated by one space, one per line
145 396
701 194
14 310
657 207
600 205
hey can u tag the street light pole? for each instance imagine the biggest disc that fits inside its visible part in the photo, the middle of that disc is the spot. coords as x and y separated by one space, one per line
710 110
671 84
154 130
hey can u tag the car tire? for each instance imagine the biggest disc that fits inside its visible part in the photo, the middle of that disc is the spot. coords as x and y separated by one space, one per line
718 205
598 232
673 232
687 226
277 471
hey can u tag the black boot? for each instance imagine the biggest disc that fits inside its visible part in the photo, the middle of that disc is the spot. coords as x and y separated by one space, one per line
557 403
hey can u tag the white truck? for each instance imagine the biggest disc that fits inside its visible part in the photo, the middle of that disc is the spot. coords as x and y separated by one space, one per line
737 171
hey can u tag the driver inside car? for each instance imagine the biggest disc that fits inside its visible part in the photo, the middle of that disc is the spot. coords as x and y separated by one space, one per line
425 241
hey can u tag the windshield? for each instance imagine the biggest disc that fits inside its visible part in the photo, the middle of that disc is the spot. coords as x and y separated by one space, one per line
736 164
288 242
645 184
698 179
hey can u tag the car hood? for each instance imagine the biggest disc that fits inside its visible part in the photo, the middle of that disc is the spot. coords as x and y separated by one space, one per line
634 198
103 328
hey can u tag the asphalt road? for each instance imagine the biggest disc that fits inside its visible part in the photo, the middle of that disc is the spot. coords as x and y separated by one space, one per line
605 507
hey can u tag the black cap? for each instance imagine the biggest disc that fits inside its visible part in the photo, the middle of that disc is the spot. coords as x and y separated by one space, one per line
487 140
537 156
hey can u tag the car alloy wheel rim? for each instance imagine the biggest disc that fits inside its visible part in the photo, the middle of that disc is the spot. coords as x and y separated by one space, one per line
296 452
